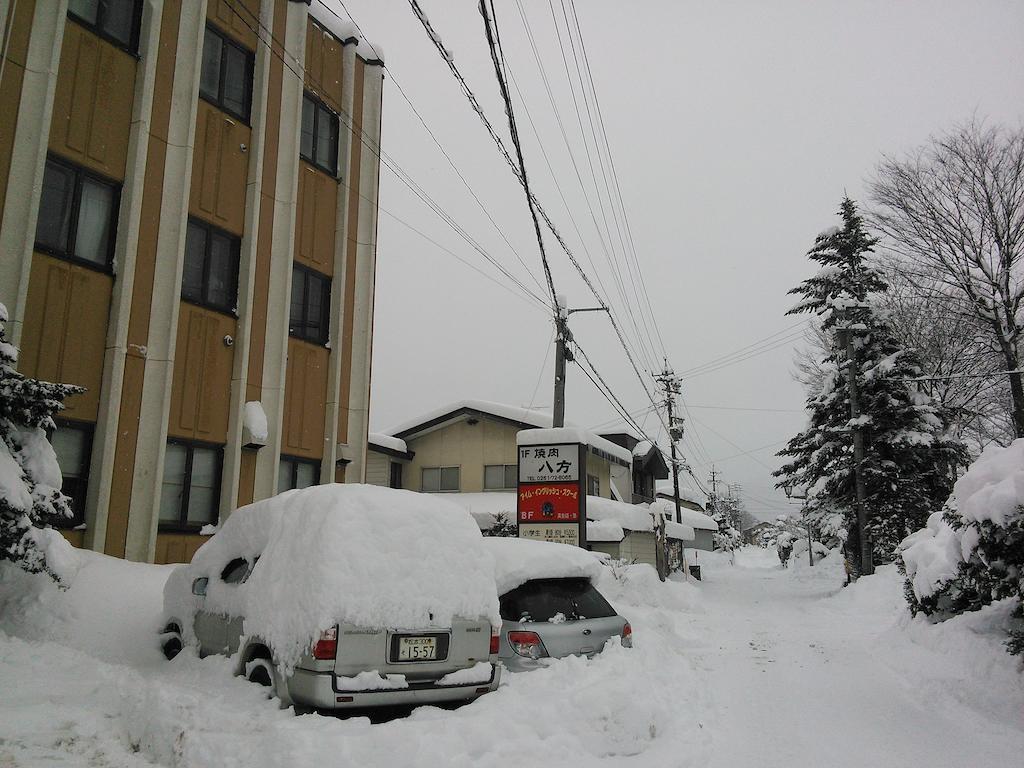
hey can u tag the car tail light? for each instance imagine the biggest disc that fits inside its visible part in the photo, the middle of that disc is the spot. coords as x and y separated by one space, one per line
326 648
627 636
495 639
527 644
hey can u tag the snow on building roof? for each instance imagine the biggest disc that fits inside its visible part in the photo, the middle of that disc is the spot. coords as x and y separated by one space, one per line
574 435
690 517
686 493
516 561
320 564
328 15
528 416
608 519
387 441
641 449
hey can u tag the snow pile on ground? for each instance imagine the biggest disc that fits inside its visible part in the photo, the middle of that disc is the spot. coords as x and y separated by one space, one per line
516 561
637 585
321 562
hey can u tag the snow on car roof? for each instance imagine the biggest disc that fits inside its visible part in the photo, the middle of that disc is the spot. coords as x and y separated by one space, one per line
516 561
359 554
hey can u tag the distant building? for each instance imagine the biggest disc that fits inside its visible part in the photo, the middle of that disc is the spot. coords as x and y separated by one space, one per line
188 198
692 513
648 465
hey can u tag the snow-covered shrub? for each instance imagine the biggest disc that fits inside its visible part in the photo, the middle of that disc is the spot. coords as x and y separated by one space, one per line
30 477
502 527
971 553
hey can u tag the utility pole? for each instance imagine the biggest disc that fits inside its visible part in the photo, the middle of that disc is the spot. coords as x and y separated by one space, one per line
714 480
667 379
866 567
563 338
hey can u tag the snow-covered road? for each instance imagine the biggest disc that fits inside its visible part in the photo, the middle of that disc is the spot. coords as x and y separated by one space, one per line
757 666
808 675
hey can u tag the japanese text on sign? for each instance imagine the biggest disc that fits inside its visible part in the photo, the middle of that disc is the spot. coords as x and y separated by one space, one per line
561 534
549 463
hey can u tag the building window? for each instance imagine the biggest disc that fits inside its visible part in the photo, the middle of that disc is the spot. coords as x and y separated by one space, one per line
500 477
115 20
439 479
226 77
210 275
395 479
319 142
72 443
191 489
311 304
297 473
77 215
593 485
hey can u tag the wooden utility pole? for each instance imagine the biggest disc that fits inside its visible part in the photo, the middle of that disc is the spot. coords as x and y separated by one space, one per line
865 566
563 338
668 380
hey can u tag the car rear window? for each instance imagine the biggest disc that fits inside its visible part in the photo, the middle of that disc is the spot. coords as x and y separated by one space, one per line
544 599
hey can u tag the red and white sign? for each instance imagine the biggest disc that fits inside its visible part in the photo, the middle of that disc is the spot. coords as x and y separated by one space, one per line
549 503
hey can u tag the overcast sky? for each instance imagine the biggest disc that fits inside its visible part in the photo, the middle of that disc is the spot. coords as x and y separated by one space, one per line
735 128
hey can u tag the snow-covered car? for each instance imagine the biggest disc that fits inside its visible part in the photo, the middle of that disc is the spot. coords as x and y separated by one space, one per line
343 596
549 605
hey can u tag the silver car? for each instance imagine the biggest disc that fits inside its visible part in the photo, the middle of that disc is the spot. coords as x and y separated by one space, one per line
555 617
345 665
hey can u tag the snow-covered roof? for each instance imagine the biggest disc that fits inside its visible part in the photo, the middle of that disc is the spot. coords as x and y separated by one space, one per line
686 493
329 16
528 416
574 435
641 449
690 517
387 441
516 561
607 519
320 563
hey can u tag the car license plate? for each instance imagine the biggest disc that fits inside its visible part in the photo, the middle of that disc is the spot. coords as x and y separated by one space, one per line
417 648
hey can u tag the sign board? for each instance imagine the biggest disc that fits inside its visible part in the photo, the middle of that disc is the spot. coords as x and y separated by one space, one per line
551 503
549 463
560 534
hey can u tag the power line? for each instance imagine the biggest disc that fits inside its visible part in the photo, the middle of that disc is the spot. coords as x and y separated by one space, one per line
375 148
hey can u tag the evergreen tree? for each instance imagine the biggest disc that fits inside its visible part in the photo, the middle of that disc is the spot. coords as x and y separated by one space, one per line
908 457
30 478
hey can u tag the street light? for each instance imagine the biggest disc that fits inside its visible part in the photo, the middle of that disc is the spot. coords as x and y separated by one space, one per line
789 487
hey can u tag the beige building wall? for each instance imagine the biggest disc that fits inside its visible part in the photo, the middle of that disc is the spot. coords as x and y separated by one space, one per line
378 468
157 366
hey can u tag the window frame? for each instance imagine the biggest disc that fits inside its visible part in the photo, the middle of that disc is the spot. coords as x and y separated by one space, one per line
440 475
67 253
593 483
295 461
78 500
325 310
250 62
132 46
319 109
236 251
505 476
182 525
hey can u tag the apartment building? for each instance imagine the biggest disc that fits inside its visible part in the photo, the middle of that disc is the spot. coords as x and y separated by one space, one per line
188 191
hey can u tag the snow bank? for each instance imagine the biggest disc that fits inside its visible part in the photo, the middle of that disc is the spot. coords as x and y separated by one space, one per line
360 554
637 585
604 530
486 506
516 561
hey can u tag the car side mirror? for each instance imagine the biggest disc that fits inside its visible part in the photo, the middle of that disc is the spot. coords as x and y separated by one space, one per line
199 586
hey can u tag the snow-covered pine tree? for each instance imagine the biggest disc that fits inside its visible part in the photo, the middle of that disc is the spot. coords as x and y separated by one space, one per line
30 477
909 457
